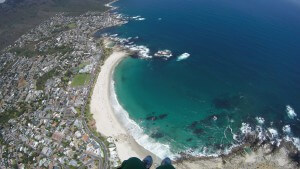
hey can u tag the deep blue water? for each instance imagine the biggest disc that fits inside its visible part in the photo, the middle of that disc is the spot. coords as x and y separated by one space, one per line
244 63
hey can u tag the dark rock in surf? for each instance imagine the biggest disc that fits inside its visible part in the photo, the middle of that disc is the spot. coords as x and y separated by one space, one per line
222 103
198 131
189 139
162 116
193 125
152 118
157 135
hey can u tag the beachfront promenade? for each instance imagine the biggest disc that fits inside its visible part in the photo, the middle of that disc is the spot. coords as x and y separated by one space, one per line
102 164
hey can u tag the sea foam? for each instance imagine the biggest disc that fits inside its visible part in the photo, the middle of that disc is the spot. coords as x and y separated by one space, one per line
245 129
142 51
286 129
273 132
127 43
290 112
163 150
183 56
159 149
261 133
138 18
260 120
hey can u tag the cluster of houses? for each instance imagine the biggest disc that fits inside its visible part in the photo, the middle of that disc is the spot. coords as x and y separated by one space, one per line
42 125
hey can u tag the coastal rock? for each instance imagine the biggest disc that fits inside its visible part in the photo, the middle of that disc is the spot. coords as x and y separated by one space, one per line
228 102
157 135
154 118
162 116
164 53
189 139
198 131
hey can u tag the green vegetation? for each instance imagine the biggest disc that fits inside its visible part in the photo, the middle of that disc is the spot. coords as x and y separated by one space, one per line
60 154
66 78
112 44
71 26
9 114
65 143
34 155
82 65
41 81
64 81
72 167
59 49
27 52
80 79
87 113
2 142
25 159
106 52
19 17
23 107
59 29
6 67
49 134
78 110
14 164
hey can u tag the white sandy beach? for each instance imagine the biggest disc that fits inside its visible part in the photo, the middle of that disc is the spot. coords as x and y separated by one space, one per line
106 122
108 125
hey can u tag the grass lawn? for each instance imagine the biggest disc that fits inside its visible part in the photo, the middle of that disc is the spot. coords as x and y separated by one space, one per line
80 79
72 25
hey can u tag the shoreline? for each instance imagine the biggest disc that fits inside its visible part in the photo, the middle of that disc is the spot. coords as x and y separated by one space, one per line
106 121
261 154
110 125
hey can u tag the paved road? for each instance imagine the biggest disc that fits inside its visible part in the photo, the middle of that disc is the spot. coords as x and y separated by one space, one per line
105 163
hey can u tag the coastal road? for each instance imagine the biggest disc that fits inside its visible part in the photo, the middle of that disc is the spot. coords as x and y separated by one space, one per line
105 163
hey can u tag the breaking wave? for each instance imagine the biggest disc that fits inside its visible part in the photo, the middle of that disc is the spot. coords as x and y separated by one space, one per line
260 120
164 150
159 149
141 50
290 112
138 18
128 44
258 131
183 56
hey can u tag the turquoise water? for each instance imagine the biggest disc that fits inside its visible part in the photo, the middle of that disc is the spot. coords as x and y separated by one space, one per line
244 64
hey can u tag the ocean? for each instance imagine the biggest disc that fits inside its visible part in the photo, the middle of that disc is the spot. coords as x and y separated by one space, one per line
241 73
